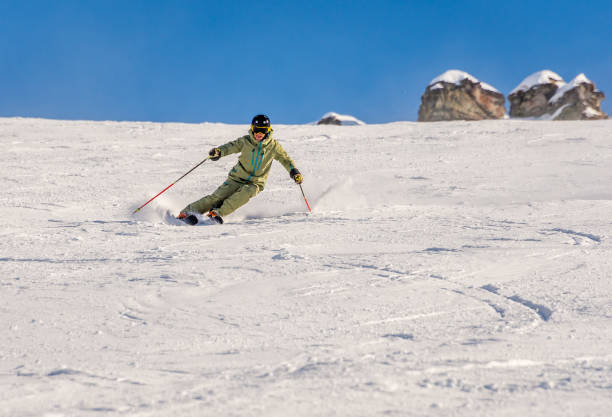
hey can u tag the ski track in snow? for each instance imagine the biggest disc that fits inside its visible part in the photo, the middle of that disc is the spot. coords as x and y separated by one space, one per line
446 269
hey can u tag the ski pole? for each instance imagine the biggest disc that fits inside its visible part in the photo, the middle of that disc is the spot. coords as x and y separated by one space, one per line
164 190
307 205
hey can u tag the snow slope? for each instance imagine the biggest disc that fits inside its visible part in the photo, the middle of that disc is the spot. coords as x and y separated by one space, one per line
457 268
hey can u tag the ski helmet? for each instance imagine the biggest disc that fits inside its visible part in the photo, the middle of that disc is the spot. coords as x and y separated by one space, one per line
261 124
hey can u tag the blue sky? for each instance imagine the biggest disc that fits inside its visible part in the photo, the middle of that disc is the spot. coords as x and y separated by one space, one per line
224 61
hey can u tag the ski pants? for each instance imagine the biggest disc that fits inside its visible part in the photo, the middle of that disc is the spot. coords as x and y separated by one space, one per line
226 199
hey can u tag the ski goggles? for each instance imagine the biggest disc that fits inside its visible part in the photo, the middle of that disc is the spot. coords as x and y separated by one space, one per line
261 129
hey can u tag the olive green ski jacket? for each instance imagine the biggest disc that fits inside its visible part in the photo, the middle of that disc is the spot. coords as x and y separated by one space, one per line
255 158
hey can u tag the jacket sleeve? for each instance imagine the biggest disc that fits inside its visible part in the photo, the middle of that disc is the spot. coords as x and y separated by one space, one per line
281 156
234 146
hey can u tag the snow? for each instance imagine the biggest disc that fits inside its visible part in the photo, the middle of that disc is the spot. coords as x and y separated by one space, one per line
537 78
555 114
456 77
591 112
453 268
345 119
579 79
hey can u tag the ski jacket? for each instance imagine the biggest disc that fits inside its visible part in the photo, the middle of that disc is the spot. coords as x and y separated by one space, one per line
255 158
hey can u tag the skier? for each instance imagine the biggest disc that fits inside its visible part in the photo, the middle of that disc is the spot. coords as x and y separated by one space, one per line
248 177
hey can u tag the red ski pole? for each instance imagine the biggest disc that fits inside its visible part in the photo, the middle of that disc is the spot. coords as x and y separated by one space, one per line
307 205
164 190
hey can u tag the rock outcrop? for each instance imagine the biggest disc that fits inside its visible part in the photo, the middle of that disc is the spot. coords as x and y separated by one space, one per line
332 118
578 100
456 95
544 95
531 97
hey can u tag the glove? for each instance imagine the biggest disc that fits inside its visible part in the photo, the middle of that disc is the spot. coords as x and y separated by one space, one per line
215 154
296 176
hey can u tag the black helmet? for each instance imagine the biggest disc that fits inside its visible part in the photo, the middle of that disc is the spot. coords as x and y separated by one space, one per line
261 120
261 124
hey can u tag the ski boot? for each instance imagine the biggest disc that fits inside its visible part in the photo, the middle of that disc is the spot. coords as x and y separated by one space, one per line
190 219
214 216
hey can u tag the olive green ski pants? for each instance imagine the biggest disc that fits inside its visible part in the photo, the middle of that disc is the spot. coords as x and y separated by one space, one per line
226 199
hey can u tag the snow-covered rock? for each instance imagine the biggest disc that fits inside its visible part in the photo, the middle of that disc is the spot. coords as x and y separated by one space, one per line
580 100
545 95
580 79
539 78
532 96
456 77
332 118
457 95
